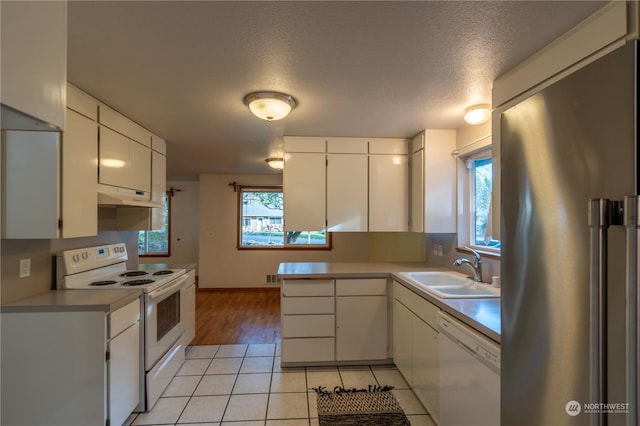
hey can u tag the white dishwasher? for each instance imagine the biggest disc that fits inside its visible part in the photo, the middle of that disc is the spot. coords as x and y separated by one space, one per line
469 375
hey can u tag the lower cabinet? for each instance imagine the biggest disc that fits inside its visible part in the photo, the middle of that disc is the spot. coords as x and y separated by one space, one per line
334 320
75 367
415 345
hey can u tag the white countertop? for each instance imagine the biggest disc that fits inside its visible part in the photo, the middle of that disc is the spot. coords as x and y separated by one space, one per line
74 300
480 314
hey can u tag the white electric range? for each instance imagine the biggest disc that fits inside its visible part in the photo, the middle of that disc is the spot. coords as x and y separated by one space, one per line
105 267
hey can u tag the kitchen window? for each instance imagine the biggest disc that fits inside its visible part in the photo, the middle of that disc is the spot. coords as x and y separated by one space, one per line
261 222
157 243
475 173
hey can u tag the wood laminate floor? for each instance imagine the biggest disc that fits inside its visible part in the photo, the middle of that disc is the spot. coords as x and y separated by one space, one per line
228 316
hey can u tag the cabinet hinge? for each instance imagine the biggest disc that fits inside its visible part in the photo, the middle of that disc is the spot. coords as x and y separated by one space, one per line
107 423
107 356
59 223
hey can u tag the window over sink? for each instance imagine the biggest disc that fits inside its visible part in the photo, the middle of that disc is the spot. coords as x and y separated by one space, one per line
475 180
261 222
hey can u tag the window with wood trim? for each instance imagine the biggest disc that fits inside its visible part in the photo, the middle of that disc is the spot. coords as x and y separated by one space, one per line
261 222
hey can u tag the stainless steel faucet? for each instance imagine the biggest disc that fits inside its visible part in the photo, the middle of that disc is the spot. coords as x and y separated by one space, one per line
476 264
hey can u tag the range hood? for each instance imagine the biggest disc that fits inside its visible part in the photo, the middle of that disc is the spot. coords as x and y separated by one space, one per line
119 197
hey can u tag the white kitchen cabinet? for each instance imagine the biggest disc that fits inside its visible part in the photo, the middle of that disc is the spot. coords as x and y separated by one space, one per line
403 339
124 163
188 308
304 179
361 319
347 198
415 345
115 121
34 58
433 182
31 184
388 193
76 366
79 175
308 336
158 188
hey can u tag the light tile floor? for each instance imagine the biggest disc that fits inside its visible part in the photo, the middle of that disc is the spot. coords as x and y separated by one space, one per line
244 385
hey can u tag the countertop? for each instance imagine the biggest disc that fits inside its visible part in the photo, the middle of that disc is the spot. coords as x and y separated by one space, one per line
74 300
480 314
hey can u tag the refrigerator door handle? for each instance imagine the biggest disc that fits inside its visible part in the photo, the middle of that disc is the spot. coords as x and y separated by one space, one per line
632 227
599 224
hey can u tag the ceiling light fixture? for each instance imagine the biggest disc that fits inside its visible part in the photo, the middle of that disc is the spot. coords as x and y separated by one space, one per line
270 106
275 163
477 114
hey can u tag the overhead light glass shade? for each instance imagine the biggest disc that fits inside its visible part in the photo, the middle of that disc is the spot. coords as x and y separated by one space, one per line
477 114
270 106
275 163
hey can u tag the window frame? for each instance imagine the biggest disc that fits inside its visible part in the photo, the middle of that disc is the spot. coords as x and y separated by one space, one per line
240 219
167 197
482 149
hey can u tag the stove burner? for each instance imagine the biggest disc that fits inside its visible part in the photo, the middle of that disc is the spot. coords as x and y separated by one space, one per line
105 282
137 282
133 273
163 272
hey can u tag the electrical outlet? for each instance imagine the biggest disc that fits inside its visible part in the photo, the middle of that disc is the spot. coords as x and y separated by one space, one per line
25 268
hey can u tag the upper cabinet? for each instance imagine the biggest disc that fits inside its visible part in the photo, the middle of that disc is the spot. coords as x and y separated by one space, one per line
433 182
34 59
346 184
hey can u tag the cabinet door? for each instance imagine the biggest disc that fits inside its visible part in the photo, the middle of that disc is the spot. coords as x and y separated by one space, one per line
34 58
439 182
124 374
347 193
158 188
188 301
403 340
30 192
114 158
79 177
304 192
388 193
361 332
140 172
417 191
426 376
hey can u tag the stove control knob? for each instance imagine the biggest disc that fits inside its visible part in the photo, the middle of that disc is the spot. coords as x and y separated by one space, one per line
76 258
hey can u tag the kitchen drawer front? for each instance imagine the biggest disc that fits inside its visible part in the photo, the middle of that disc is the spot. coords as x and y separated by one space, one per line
124 317
308 350
361 287
307 305
307 288
308 325
424 309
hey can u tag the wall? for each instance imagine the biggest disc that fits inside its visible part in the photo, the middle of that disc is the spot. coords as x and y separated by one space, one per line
42 254
223 266
490 267
185 225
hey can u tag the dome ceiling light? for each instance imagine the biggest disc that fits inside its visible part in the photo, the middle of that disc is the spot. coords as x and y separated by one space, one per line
477 114
270 106
275 163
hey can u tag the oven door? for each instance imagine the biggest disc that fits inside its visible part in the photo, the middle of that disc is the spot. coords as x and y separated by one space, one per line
164 326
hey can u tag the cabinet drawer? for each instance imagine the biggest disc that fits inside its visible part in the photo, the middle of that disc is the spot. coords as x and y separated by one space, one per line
307 288
308 325
307 305
361 287
424 309
308 350
124 317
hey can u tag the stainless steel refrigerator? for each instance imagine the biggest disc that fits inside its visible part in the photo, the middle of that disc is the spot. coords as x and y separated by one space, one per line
570 249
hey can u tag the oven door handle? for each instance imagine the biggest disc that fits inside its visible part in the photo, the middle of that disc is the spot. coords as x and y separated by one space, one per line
168 288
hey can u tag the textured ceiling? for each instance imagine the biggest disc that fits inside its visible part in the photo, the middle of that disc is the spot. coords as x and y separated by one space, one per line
377 69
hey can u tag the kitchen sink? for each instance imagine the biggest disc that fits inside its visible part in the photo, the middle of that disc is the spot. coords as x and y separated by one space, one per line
450 285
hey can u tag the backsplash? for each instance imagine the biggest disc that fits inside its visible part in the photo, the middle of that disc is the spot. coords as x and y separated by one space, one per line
448 242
